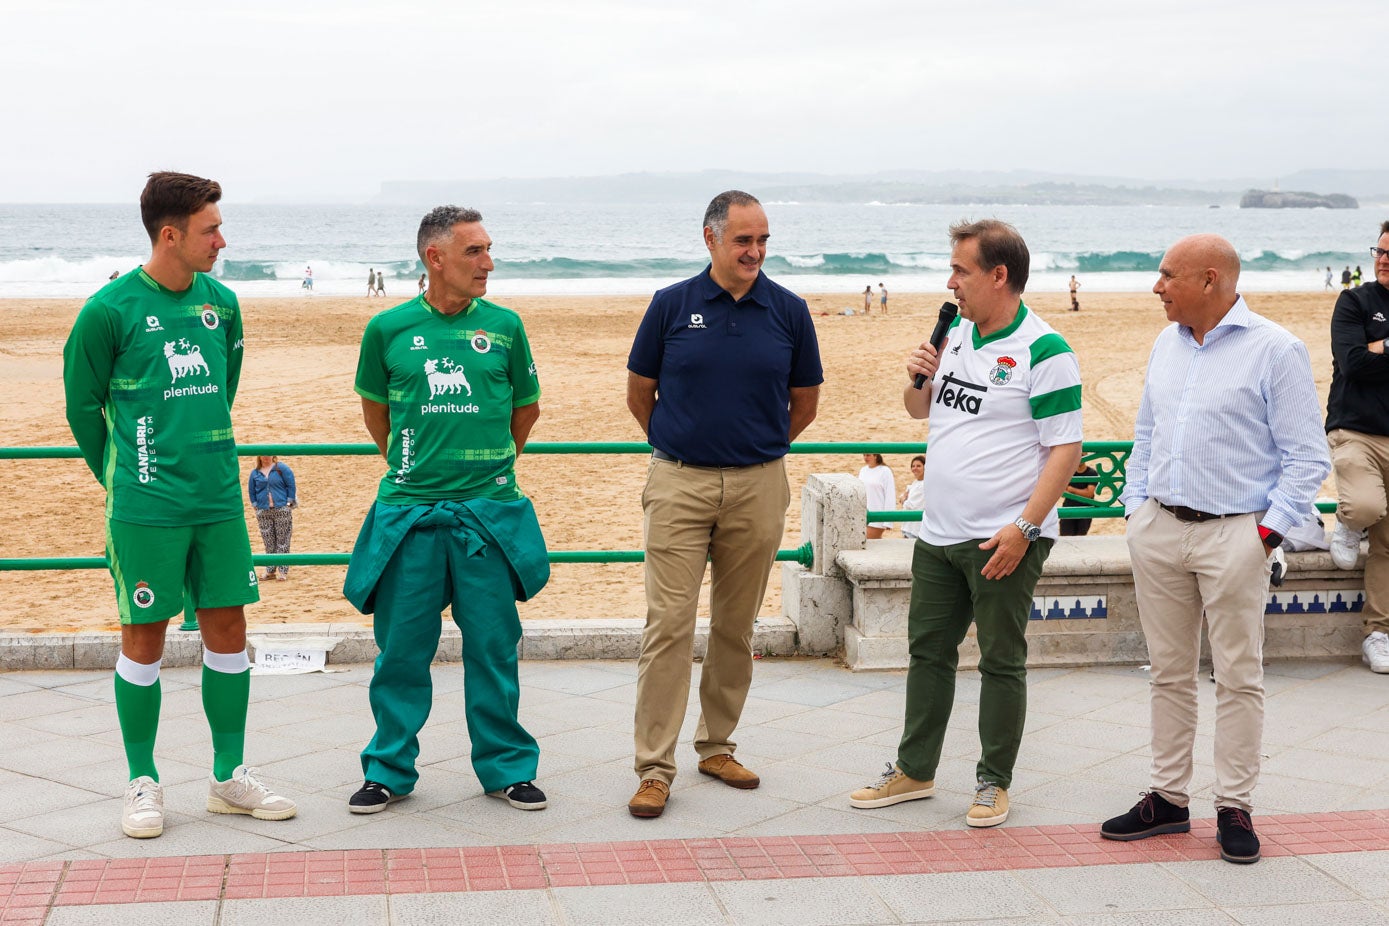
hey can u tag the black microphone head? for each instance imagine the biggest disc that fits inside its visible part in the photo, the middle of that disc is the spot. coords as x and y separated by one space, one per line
949 310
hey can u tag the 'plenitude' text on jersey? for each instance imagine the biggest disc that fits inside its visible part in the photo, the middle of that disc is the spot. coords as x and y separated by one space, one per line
451 382
997 404
150 375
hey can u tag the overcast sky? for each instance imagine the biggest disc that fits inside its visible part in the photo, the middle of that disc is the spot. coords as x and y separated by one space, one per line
312 99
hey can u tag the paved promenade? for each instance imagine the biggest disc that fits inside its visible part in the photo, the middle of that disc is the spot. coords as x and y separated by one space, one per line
789 852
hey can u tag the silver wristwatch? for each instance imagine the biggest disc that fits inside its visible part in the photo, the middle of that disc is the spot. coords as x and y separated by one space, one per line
1030 531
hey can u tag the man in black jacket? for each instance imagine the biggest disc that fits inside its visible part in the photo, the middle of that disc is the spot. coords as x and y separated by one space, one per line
1357 428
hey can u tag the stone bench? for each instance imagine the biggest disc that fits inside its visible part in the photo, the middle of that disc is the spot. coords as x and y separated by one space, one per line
854 598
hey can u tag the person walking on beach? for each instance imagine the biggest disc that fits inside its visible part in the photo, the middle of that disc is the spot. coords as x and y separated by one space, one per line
1328 278
1355 277
1075 300
1357 429
1345 277
274 496
723 374
308 279
1204 518
423 277
371 282
882 297
381 283
1005 423
149 372
449 394
868 300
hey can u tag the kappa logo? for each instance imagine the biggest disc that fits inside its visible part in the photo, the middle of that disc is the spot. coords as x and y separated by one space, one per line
481 342
152 324
450 380
251 581
143 596
696 321
210 318
1378 317
182 364
418 343
956 393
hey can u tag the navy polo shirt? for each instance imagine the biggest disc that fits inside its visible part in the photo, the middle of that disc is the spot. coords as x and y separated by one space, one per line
724 370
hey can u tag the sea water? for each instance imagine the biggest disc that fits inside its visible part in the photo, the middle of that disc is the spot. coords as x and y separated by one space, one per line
540 248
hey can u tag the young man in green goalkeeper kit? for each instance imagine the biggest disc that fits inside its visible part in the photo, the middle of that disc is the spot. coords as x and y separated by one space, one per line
150 370
449 394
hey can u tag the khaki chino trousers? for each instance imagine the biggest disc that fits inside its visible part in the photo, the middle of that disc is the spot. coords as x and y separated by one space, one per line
1181 570
1361 462
732 518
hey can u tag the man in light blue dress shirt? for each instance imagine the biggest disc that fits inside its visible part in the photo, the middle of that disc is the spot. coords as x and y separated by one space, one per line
1228 455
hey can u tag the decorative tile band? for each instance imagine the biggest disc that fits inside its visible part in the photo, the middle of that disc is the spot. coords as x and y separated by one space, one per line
30 890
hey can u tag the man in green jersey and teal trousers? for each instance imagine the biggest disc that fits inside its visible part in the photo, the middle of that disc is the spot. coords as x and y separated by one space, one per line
150 370
449 394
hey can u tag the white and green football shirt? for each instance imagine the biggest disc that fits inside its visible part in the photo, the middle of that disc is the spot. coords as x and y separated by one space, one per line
451 382
997 404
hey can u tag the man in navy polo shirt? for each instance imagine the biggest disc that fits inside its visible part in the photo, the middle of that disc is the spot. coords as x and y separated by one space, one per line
724 373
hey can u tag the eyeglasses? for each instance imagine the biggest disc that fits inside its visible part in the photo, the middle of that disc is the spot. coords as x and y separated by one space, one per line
1377 253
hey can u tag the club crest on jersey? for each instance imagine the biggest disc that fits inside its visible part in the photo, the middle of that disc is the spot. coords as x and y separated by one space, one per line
143 596
450 380
1002 371
210 318
481 342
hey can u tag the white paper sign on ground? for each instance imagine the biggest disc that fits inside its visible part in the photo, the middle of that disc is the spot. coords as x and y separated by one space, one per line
291 657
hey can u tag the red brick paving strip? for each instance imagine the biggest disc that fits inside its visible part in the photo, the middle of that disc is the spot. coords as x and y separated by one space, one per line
27 891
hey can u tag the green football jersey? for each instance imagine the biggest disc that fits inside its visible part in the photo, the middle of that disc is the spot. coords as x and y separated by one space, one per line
150 375
451 382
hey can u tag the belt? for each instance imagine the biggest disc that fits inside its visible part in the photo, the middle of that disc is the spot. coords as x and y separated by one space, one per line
662 455
1183 513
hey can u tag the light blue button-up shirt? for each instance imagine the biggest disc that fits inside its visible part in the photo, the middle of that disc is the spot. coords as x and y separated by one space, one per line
1229 426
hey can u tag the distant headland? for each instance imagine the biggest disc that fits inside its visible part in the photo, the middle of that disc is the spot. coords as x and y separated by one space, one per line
1273 199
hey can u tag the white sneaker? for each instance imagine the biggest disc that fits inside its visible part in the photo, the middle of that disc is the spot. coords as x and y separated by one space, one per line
243 793
144 808
1375 652
1345 546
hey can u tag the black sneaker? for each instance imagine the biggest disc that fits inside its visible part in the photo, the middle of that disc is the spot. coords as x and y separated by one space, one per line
1234 831
523 795
371 797
1151 816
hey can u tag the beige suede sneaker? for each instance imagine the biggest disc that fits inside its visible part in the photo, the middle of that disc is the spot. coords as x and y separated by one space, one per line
893 787
990 807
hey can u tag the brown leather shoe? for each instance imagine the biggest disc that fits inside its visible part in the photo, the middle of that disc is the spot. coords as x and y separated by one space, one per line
650 799
730 771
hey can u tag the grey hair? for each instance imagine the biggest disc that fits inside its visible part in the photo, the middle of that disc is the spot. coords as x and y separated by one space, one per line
716 216
438 224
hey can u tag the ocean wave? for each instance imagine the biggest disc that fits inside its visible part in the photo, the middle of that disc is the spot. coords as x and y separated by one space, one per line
87 274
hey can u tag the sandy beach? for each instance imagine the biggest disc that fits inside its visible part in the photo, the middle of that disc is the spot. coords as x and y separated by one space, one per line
296 387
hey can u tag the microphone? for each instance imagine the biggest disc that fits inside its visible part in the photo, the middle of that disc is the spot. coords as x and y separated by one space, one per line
948 311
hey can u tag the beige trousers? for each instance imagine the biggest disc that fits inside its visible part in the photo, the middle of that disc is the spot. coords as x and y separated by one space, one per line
732 518
1180 570
1361 462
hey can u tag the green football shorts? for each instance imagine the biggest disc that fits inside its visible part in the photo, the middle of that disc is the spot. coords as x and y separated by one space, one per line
153 565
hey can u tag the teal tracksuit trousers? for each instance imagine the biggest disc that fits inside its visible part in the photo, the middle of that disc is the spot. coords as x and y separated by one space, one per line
446 557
